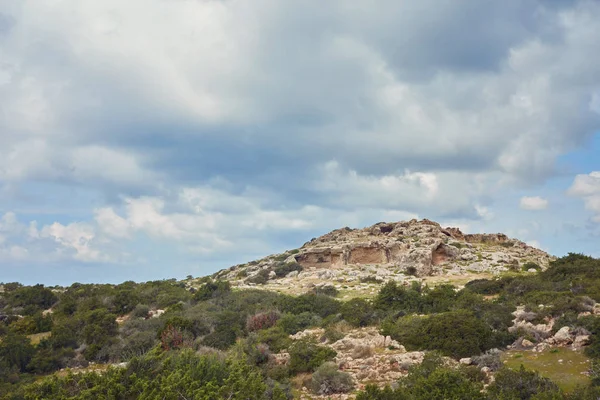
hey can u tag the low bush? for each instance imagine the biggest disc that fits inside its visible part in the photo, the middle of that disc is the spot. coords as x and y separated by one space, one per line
306 356
456 334
327 380
262 320
282 269
521 384
358 312
260 278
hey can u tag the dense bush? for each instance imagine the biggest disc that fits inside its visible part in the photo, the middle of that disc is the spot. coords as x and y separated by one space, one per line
306 356
31 298
486 286
282 269
522 384
212 290
358 312
326 290
327 379
318 304
260 278
262 320
456 334
431 380
156 377
16 351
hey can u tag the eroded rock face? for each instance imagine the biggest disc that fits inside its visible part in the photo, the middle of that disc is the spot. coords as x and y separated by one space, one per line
397 250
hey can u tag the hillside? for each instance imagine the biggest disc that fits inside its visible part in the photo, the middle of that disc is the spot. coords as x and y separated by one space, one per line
356 260
406 310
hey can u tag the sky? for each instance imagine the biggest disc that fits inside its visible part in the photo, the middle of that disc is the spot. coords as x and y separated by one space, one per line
152 139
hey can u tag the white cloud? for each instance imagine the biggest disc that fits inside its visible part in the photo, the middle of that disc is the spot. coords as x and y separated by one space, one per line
409 103
218 125
586 185
533 203
588 188
75 236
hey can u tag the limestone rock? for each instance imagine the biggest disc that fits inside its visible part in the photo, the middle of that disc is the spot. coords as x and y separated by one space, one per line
400 251
581 340
563 336
526 343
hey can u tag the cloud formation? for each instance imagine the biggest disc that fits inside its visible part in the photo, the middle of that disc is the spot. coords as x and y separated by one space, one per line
588 188
200 123
533 203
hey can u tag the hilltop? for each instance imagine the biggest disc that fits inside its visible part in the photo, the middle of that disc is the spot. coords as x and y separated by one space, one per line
416 250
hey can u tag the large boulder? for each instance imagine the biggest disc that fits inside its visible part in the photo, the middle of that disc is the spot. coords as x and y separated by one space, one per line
563 336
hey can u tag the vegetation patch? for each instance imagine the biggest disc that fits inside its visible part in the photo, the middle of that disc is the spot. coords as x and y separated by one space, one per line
567 368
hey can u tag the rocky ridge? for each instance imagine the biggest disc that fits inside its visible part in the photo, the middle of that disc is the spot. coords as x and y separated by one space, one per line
401 251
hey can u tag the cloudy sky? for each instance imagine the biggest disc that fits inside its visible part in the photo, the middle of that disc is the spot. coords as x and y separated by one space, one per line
148 139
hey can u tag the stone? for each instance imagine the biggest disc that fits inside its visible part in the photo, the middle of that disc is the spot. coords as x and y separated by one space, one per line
466 361
581 340
293 274
527 343
540 347
563 335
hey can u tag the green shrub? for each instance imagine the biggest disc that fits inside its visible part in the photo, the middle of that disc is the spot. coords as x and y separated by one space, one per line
211 290
358 312
260 278
456 334
431 380
326 290
370 279
333 335
531 265
327 379
521 384
293 323
276 338
282 269
313 303
486 286
306 356
140 311
16 350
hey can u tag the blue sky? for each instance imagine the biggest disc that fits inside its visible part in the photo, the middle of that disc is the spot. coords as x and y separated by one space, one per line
151 139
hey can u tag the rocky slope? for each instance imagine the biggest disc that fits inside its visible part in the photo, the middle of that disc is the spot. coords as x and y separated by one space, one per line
353 259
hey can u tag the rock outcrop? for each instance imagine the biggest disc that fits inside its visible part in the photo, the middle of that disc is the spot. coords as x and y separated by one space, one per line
397 251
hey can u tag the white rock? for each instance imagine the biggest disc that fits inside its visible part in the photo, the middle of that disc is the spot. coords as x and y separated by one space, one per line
293 274
563 336
466 361
581 340
526 343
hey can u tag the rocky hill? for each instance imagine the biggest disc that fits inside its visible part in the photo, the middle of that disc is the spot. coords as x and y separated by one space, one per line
354 259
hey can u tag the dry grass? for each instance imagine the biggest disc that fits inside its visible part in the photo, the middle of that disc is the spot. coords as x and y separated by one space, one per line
36 338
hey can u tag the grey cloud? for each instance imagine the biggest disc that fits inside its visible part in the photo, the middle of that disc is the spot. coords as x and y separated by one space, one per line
263 95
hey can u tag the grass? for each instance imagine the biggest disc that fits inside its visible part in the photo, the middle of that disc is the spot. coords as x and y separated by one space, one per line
36 338
567 374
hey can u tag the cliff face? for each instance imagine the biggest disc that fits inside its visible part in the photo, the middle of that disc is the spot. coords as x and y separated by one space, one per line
396 251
